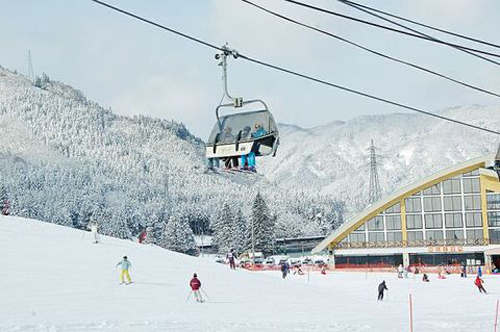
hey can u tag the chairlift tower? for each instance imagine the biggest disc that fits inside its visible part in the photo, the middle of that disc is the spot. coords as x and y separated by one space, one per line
374 194
31 75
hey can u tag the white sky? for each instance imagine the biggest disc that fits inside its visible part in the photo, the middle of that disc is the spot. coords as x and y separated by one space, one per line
134 68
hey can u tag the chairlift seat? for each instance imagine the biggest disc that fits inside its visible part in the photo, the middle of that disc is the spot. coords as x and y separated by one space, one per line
234 135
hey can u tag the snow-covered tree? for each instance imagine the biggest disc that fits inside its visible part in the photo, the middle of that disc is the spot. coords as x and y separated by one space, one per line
224 231
240 230
264 228
179 236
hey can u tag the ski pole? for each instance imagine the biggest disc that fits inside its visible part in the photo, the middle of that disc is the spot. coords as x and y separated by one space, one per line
208 297
191 292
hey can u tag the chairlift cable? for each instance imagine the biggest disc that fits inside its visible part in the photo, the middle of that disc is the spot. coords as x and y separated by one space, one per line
286 18
311 78
330 12
359 7
197 40
357 4
294 73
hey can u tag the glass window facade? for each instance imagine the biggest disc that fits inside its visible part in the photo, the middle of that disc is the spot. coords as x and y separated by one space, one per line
471 186
473 219
452 186
357 237
448 212
434 235
433 220
376 224
414 221
376 237
494 236
432 190
415 236
452 203
494 219
413 204
453 220
393 222
394 236
493 201
472 202
432 204
474 234
454 234
396 208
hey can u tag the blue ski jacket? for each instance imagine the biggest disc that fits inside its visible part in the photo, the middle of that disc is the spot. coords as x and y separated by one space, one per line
125 264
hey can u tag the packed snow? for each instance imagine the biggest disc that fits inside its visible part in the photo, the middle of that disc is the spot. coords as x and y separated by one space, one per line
53 278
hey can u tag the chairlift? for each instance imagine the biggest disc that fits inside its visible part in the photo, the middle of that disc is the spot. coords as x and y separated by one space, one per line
238 134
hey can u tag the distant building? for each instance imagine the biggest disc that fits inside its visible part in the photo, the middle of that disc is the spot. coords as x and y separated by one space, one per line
204 244
452 216
298 245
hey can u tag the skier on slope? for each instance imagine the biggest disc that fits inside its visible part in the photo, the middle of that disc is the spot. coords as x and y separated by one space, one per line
125 266
195 284
400 271
284 269
381 288
231 257
479 283
94 228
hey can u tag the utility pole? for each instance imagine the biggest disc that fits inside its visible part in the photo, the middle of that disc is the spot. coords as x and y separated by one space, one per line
253 245
374 194
31 75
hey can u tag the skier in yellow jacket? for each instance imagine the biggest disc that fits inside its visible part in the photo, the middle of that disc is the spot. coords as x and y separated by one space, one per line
125 265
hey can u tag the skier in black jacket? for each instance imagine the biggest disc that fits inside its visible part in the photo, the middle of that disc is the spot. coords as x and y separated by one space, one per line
381 289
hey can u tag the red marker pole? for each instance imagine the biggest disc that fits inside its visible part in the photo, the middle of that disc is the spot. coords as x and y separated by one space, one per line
496 318
411 314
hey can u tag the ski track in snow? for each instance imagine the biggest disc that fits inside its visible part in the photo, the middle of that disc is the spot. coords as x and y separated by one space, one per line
53 279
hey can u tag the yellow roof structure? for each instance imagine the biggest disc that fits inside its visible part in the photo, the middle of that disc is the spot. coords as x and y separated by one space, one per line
377 207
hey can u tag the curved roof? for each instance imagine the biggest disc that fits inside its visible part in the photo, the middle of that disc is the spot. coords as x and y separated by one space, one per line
375 208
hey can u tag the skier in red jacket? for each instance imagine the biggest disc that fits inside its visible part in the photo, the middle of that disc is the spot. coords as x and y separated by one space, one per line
195 284
479 283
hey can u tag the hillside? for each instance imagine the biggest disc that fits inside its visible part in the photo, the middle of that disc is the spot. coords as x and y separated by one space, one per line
329 159
54 278
67 160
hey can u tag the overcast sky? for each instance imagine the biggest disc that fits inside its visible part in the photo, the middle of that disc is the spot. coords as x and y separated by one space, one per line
137 69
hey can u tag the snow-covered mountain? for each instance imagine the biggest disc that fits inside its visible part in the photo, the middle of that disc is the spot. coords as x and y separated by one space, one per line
334 159
66 160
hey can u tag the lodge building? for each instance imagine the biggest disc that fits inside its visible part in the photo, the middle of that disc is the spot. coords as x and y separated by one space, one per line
452 216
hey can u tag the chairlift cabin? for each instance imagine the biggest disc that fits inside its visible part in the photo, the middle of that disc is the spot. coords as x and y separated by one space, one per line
239 133
234 135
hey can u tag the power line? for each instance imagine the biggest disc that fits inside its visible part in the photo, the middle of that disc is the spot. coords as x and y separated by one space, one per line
286 18
326 11
360 93
359 7
291 72
420 24
158 25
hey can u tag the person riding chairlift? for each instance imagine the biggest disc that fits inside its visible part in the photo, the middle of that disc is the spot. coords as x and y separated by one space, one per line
250 159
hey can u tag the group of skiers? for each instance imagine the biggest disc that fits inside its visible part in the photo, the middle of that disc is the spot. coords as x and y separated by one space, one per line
195 283
478 281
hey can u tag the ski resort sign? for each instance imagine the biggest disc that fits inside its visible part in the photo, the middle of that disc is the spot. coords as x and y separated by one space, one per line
445 249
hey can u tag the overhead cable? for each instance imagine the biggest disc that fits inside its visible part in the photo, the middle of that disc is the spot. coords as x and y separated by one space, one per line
476 40
286 18
347 17
372 13
294 73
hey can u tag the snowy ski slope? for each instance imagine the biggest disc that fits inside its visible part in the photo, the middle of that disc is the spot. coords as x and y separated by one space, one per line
54 278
